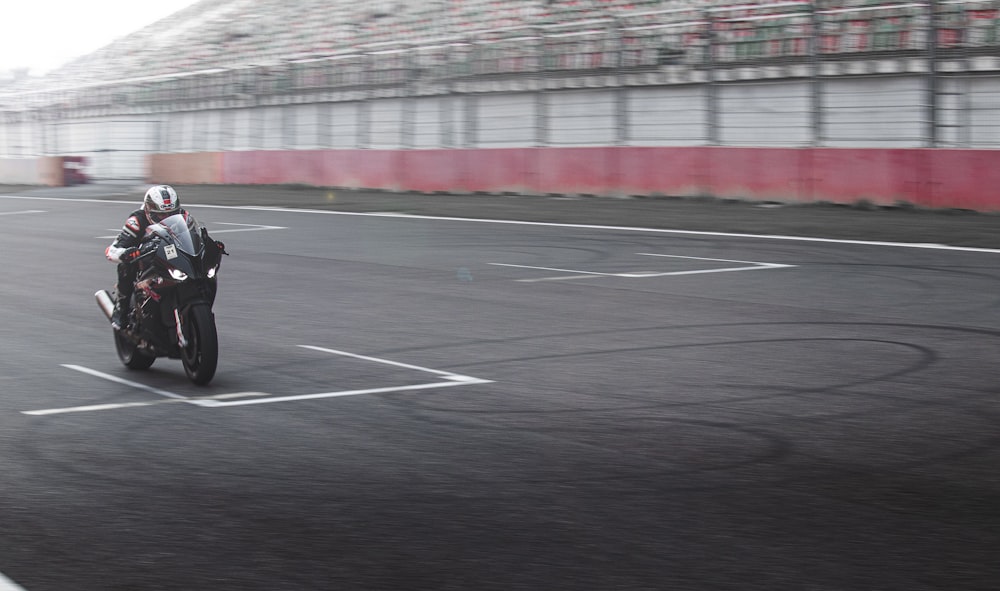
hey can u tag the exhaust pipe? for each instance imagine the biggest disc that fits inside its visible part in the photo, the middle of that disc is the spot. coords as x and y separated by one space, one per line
104 301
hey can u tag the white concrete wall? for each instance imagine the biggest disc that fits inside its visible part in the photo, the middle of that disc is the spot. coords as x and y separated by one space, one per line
861 111
667 116
429 122
343 119
582 117
242 131
115 147
271 121
386 124
874 112
20 139
506 120
305 126
765 114
20 171
983 115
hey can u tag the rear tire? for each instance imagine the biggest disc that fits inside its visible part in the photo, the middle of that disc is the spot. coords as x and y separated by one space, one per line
130 356
201 356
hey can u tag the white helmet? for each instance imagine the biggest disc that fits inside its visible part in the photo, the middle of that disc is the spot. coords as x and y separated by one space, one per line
160 203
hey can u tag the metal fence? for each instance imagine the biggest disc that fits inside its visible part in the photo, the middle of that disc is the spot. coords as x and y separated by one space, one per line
795 73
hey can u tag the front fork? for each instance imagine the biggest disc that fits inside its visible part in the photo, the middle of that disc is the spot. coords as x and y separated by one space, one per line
181 341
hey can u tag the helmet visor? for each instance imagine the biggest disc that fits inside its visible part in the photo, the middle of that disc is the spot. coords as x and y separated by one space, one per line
156 217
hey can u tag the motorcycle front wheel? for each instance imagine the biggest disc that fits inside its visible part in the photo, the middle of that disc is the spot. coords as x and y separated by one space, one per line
129 355
201 355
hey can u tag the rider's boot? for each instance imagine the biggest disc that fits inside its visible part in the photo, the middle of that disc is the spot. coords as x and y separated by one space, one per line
119 317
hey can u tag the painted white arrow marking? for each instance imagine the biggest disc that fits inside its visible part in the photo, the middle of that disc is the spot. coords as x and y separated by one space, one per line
754 266
172 397
578 274
448 379
452 379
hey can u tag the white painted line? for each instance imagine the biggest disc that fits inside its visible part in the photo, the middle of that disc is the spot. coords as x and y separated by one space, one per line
118 380
551 225
636 275
584 273
619 228
453 379
233 395
253 228
754 266
21 212
560 278
677 256
447 374
245 398
91 408
703 271
200 401
411 388
8 585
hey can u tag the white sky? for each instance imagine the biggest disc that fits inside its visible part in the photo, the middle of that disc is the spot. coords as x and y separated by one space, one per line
44 34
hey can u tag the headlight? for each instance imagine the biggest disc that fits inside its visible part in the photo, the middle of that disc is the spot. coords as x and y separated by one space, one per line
211 272
178 275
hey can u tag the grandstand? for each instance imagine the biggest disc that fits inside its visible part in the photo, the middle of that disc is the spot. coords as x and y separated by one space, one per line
230 34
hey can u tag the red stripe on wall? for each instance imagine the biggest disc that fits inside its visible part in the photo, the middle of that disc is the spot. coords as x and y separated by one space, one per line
964 179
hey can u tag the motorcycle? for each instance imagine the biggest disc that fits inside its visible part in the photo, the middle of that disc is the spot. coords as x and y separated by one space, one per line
175 290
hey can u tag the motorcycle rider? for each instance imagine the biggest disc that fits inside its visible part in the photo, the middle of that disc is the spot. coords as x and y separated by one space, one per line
159 203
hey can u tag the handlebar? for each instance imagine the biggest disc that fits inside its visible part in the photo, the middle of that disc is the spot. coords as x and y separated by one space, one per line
148 248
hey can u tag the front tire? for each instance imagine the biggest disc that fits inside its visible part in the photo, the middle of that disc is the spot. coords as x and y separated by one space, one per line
201 356
129 354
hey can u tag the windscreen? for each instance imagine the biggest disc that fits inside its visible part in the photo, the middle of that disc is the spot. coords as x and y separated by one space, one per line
180 232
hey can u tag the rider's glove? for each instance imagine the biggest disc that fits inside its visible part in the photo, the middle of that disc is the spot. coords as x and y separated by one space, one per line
129 254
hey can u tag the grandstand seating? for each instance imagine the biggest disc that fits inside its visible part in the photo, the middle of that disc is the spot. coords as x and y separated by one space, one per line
502 36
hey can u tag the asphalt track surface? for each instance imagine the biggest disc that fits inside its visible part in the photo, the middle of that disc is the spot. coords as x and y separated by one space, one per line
409 402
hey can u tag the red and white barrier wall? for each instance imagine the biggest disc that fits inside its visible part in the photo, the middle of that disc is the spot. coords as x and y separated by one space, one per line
52 171
933 178
21 171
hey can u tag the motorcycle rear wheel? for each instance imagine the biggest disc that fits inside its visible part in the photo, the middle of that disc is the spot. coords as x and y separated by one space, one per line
201 356
129 355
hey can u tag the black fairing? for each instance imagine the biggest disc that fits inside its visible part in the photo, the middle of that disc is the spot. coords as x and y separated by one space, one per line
212 253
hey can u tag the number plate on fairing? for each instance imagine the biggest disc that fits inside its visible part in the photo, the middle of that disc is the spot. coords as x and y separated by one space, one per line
171 251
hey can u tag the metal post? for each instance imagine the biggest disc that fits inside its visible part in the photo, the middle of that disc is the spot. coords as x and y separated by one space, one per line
816 84
541 97
711 87
621 92
408 109
932 76
255 130
324 138
289 139
446 113
471 120
43 131
364 106
621 111
966 137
